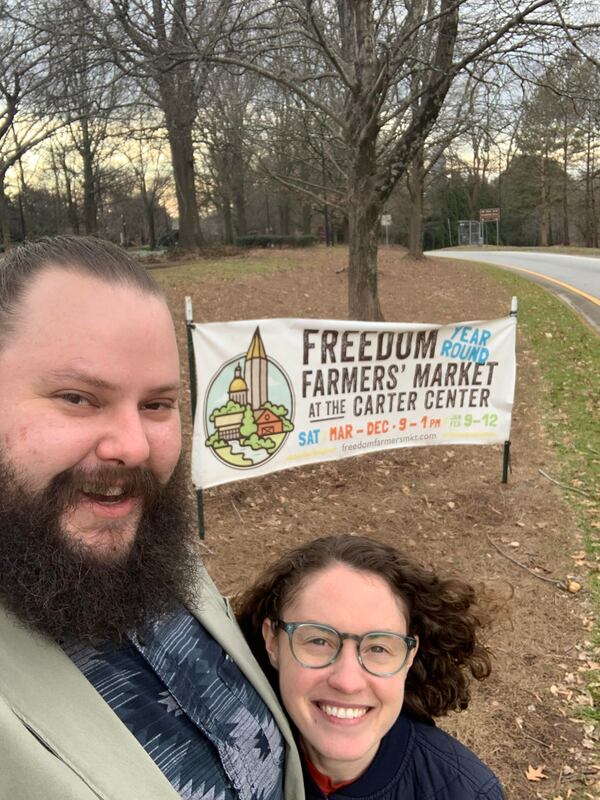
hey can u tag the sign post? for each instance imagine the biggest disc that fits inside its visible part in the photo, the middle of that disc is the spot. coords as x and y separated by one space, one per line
491 215
189 324
506 451
386 221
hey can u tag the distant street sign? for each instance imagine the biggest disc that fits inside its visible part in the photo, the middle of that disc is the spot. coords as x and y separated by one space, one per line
489 214
386 219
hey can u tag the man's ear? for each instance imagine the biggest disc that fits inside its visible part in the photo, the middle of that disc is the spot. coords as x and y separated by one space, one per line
271 642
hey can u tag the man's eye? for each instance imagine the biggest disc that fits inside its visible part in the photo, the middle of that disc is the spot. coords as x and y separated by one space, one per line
75 399
160 405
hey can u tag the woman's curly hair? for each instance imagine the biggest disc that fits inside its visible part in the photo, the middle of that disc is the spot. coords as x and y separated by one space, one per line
442 613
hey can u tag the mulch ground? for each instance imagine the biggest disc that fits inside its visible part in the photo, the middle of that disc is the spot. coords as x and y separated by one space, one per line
445 505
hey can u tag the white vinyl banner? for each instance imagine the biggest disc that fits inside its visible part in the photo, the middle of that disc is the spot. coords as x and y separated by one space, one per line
279 393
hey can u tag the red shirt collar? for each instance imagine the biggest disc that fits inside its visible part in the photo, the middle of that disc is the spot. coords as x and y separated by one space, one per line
324 782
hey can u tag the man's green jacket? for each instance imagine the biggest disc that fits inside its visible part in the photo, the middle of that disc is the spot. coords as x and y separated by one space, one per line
59 740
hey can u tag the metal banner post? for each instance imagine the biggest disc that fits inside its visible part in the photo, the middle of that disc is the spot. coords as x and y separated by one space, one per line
506 453
189 324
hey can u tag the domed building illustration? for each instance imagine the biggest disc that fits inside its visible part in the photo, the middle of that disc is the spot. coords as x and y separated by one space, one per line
238 388
249 428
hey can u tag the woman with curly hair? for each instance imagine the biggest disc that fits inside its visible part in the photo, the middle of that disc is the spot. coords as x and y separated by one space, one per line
365 647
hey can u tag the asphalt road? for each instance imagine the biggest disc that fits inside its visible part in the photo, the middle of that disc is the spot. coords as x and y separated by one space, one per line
575 279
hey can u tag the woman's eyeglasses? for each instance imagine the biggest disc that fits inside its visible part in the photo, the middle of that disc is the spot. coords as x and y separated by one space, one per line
316 646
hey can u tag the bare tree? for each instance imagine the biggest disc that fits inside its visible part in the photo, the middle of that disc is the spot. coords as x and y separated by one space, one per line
88 96
25 79
226 132
144 149
148 40
371 52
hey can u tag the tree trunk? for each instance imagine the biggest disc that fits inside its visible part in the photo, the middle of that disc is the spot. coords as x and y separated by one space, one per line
4 215
57 195
593 208
283 209
179 121
415 190
23 210
306 218
148 199
227 221
363 298
151 229
239 198
361 132
565 192
72 214
364 209
327 226
90 205
590 222
544 212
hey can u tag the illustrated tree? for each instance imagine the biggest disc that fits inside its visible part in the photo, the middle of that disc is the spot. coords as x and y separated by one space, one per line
248 426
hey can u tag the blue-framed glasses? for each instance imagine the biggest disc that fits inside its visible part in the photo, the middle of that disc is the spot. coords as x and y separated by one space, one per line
316 646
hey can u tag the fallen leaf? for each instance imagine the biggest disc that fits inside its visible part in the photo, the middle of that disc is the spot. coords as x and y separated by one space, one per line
588 744
535 773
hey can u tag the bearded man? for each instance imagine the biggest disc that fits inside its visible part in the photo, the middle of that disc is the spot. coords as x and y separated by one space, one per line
123 674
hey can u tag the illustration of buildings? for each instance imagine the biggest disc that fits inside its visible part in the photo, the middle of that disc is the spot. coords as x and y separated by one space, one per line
249 428
245 413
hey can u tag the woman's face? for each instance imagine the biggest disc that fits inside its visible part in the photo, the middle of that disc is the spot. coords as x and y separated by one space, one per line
341 711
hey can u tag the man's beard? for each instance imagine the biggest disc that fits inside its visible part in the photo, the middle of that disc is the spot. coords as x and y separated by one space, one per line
62 587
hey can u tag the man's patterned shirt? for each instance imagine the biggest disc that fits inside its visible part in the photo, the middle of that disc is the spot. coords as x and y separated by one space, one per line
191 709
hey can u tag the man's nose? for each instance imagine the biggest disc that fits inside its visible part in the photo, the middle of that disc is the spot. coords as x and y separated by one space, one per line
346 674
124 439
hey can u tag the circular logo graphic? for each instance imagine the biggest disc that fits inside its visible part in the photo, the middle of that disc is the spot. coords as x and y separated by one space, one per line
249 409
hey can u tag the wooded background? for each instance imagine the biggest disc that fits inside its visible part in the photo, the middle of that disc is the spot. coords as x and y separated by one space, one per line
299 118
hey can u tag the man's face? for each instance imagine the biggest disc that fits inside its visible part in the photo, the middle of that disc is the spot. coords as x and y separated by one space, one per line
89 379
